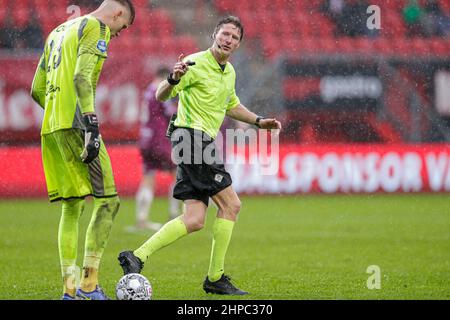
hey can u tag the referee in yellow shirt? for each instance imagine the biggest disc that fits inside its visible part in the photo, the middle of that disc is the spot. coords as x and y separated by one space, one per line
205 85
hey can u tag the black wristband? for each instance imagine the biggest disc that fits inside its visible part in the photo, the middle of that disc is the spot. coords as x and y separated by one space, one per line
258 118
90 120
171 81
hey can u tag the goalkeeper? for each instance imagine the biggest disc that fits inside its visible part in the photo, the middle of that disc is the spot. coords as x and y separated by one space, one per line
75 160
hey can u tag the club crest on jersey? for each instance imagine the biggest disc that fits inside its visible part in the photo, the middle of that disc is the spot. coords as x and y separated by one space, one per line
101 45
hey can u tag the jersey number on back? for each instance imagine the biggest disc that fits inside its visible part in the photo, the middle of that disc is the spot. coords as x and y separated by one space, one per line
57 56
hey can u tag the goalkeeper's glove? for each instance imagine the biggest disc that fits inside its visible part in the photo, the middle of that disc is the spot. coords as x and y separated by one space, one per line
91 138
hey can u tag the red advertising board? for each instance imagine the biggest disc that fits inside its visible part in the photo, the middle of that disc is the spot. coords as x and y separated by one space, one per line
351 169
119 96
302 169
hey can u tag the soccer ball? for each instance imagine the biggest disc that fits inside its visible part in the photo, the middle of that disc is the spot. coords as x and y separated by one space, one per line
133 286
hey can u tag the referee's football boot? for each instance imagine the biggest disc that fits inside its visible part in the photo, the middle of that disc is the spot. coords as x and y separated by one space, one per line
130 263
97 294
222 286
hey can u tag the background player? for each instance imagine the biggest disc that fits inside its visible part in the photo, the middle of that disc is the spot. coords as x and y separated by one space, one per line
75 160
155 152
206 94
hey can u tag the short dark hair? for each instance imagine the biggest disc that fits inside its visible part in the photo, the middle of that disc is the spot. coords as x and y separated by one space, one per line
230 19
129 4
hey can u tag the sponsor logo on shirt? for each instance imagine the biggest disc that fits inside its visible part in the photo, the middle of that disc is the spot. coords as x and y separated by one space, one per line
101 45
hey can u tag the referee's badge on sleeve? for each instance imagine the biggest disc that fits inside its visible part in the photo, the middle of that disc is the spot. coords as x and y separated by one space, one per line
101 45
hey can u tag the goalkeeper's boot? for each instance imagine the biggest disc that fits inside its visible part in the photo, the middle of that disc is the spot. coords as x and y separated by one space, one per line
67 296
130 263
222 286
97 294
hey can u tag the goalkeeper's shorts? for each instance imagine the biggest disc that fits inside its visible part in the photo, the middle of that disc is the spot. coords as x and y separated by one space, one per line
66 175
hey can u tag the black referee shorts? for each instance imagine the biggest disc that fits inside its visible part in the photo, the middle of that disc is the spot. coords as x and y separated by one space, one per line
198 177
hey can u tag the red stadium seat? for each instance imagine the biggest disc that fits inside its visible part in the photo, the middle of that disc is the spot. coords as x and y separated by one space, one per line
2 14
186 44
21 16
438 47
270 46
308 45
383 46
419 47
345 45
364 45
251 28
445 5
19 4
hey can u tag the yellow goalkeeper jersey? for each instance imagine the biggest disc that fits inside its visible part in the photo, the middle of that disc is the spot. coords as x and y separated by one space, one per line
85 37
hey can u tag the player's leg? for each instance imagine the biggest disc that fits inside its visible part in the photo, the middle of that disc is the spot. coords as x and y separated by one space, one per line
68 243
144 200
192 220
229 205
57 161
106 207
97 235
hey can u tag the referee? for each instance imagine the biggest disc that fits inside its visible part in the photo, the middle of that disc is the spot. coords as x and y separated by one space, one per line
205 85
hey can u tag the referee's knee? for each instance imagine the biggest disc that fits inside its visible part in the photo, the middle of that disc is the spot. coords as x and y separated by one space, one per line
193 225
233 208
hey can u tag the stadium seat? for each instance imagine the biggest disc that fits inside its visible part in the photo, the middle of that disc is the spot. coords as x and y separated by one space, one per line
2 14
186 44
419 47
21 16
19 4
270 46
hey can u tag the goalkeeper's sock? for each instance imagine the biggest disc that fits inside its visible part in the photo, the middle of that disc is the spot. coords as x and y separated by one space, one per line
89 280
68 243
222 230
97 235
170 232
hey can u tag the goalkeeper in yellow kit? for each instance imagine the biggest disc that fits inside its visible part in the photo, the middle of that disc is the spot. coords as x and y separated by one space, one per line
75 160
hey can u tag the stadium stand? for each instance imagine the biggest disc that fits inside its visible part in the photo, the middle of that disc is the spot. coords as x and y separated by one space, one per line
308 29
279 29
293 27
151 24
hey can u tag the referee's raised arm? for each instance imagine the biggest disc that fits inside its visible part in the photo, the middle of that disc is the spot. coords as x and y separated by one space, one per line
165 87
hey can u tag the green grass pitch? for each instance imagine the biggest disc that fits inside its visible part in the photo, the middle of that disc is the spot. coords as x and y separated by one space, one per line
296 247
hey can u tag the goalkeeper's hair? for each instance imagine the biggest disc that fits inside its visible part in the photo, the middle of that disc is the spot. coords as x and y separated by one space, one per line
130 6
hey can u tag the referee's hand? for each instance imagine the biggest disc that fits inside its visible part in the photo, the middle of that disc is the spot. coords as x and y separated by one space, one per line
270 124
180 68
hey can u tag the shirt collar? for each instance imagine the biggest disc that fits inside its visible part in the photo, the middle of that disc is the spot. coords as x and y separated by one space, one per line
215 64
